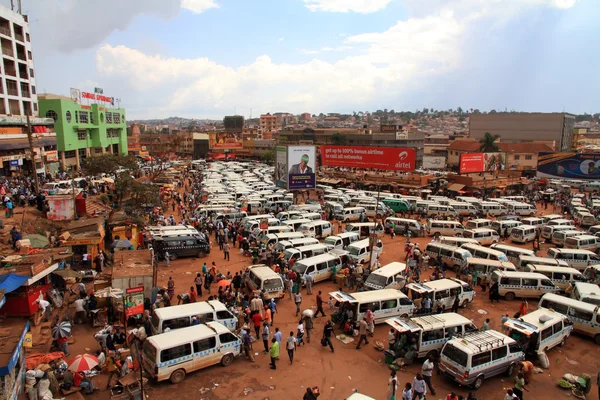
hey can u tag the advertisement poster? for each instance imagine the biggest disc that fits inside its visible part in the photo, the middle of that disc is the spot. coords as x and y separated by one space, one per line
134 301
301 164
386 158
434 162
281 167
482 162
569 165
225 140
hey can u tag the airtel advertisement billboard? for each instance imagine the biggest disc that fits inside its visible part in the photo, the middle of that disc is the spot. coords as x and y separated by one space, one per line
386 158
482 162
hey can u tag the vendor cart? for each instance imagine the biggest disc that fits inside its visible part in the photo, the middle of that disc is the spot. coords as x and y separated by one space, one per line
128 387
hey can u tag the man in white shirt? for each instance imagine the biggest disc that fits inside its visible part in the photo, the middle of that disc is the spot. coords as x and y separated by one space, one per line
419 387
80 314
427 370
44 308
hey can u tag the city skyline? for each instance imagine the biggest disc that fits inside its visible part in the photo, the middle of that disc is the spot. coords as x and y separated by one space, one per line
318 55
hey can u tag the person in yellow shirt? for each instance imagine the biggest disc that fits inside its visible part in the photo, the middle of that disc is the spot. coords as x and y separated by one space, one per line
274 352
111 367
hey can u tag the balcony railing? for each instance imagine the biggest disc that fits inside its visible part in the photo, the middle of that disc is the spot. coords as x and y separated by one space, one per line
7 51
19 36
5 30
25 93
13 92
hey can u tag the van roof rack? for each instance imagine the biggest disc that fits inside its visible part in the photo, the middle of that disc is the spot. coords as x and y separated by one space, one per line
483 340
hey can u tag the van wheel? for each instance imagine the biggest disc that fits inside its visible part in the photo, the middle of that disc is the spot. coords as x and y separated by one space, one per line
465 304
509 296
200 254
432 353
563 342
459 234
173 257
478 382
436 235
177 376
511 370
226 360
404 316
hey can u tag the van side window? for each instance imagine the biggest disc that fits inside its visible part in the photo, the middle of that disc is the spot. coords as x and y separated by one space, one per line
223 315
514 348
581 257
480 359
175 352
530 282
446 252
176 323
227 338
546 333
322 266
433 335
511 281
405 301
559 308
205 344
442 294
499 353
387 304
557 327
584 315
547 282
374 306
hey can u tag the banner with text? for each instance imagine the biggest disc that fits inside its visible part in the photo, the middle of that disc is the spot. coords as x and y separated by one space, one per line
301 164
569 165
134 301
386 158
482 162
225 140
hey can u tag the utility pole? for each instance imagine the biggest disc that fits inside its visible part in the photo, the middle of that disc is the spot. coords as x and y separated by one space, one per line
32 155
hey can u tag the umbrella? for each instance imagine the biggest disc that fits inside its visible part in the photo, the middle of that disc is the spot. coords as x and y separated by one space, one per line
224 283
121 244
83 362
62 329
108 180
109 292
37 241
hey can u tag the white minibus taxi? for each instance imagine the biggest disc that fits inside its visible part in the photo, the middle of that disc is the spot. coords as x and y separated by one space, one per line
485 267
560 222
579 259
492 208
585 316
456 241
586 292
263 278
478 223
523 233
592 274
430 332
350 214
175 354
444 291
283 245
366 229
384 303
439 209
463 208
483 252
390 276
523 284
559 237
454 257
445 228
341 240
401 224
533 221
296 223
522 209
561 276
302 252
524 260
318 229
501 226
484 236
176 317
583 242
274 238
318 267
540 330
548 230
360 251
513 253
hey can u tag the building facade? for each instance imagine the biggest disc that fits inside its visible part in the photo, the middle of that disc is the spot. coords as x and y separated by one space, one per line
518 127
84 130
268 123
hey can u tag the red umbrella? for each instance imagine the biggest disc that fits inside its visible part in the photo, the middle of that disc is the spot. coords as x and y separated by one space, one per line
83 362
223 282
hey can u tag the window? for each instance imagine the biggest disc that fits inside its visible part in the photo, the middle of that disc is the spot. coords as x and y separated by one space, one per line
76 117
530 282
499 353
511 281
322 266
584 315
374 306
581 257
437 334
227 338
35 107
514 348
31 72
70 154
442 294
175 352
28 37
480 359
223 315
528 157
546 333
29 56
108 118
83 117
52 114
91 117
405 301
389 304
517 158
205 344
547 282
557 328
176 323
116 118
68 116
81 134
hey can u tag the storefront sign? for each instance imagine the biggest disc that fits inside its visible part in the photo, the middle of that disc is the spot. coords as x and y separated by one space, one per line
51 156
14 163
98 97
386 158
13 157
134 301
482 162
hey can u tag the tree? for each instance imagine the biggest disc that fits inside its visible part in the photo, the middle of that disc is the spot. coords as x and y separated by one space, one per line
268 156
488 143
338 139
120 166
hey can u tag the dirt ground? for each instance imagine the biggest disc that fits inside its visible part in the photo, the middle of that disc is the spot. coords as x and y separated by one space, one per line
339 374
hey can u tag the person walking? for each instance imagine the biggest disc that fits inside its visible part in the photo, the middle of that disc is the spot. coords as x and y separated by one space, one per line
370 319
273 308
520 386
198 283
171 288
392 386
256 320
308 326
362 331
427 305
309 282
419 387
274 353
427 371
455 305
265 336
226 251
278 336
407 391
291 346
327 332
319 304
297 301
486 325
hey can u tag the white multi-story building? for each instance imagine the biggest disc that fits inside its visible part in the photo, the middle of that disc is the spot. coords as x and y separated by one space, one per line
17 89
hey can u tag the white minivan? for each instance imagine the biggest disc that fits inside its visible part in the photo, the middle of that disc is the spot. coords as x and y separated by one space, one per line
384 303
523 284
360 251
512 252
444 291
583 242
478 223
445 228
341 240
523 233
578 259
319 267
317 229
484 236
390 276
540 330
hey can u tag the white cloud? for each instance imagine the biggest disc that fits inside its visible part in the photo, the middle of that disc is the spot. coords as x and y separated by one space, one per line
198 6
308 51
359 6
281 39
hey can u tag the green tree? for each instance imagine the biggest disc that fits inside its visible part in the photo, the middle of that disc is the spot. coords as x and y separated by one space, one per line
338 138
488 143
120 166
268 156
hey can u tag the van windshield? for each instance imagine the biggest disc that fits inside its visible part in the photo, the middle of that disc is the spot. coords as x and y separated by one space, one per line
330 240
455 354
377 280
150 351
272 284
354 250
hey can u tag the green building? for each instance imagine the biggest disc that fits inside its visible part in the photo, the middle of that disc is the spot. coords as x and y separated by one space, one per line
84 130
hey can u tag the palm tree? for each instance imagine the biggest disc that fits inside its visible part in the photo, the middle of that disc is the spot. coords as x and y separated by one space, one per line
488 143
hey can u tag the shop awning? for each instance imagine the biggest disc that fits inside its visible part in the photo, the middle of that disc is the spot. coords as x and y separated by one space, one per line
11 282
455 187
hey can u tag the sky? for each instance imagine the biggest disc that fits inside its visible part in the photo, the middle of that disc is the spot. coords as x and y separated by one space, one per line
210 58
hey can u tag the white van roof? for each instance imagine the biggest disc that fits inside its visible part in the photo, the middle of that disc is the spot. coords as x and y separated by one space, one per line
519 274
477 342
430 322
440 284
472 246
535 321
552 268
390 269
570 302
494 263
588 288
185 335
512 248
582 237
360 243
574 251
189 309
368 296
317 259
263 271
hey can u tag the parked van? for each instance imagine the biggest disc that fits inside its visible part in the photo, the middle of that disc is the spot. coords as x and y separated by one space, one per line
501 226
578 259
175 354
431 332
366 229
350 214
513 253
253 224
479 251
522 209
454 257
484 236
523 284
533 221
485 267
180 316
360 251
397 205
274 238
463 209
492 208
561 276
559 237
341 240
283 245
540 330
375 210
445 228
433 210
262 277
300 253
592 274
401 223
561 222
317 229
594 229
586 292
272 229
585 218
384 303
478 223
583 242
444 291
390 276
549 230
525 260
478 356
287 215
456 241
319 267
584 316
313 216
296 223
189 245
523 234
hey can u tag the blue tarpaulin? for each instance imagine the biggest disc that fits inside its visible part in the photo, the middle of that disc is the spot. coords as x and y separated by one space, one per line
11 282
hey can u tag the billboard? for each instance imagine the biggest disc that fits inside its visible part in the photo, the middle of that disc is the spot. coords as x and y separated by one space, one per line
301 164
281 169
434 162
390 128
225 140
482 162
569 165
134 301
387 158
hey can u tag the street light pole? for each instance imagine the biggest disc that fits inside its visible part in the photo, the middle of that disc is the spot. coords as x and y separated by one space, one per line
32 154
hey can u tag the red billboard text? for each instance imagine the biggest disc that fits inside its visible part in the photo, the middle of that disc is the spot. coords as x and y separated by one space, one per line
386 158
